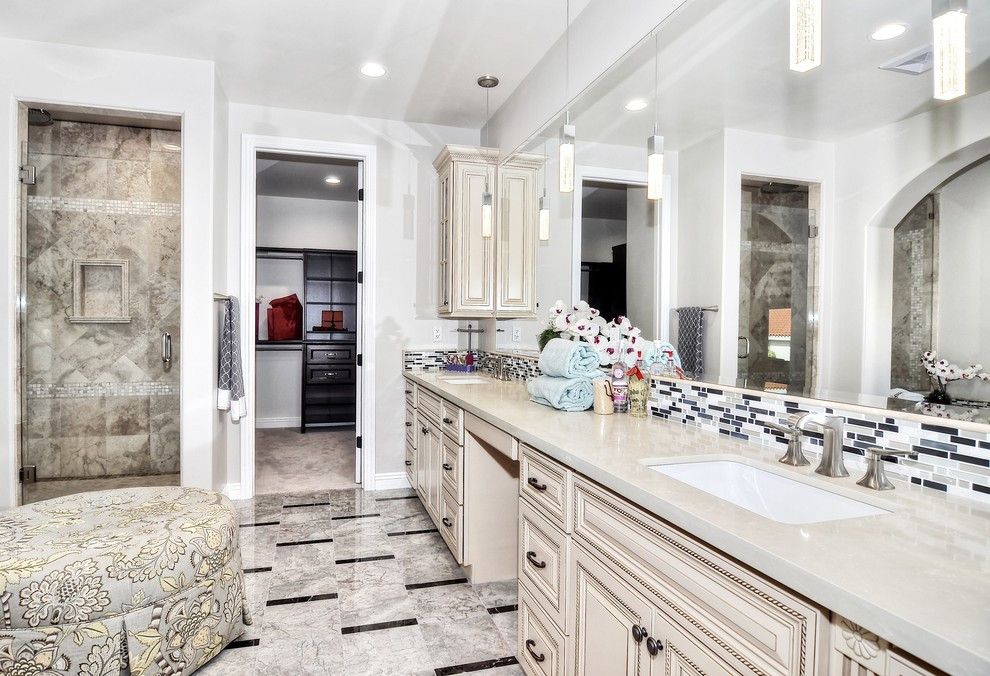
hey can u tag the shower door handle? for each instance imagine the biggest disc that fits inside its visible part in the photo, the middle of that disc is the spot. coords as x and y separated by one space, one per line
166 347
745 354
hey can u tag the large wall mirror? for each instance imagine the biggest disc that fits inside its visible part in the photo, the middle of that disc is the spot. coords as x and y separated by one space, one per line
839 219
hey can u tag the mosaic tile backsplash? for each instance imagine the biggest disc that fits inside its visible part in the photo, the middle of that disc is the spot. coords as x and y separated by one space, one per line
99 401
947 458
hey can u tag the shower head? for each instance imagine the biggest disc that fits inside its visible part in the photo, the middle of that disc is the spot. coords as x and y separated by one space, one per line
777 188
39 117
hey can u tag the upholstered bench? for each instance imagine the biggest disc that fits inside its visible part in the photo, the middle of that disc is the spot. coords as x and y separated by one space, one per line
146 579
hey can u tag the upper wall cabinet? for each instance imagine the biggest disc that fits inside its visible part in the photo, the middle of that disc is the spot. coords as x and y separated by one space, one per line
479 276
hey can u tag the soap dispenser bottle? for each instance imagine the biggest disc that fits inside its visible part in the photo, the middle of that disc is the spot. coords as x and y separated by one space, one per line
620 390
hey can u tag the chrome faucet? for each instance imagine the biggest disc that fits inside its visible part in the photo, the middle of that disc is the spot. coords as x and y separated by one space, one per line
831 426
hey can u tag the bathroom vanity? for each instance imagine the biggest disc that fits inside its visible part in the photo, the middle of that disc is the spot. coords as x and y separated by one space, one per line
625 570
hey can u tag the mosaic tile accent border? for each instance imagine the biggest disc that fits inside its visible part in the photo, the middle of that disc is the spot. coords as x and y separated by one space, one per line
133 208
518 368
948 459
73 390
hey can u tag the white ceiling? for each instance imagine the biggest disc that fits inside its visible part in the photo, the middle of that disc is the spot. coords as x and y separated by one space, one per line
304 176
306 54
724 64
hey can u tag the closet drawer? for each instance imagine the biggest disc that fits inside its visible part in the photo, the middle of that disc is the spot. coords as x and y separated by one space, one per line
330 373
547 484
411 463
410 426
451 469
542 649
543 551
452 421
451 515
743 618
325 354
428 404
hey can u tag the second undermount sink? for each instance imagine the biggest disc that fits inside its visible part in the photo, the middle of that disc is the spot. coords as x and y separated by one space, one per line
768 494
466 380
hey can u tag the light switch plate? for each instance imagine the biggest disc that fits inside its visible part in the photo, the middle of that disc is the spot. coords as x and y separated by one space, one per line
438 333
516 334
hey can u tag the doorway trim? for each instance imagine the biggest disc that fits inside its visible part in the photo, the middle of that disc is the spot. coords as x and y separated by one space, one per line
662 271
251 145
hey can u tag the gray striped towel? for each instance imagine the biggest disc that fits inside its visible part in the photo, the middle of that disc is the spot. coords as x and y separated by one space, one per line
691 339
230 378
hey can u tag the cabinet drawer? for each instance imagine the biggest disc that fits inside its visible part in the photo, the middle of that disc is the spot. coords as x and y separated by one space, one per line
451 469
428 404
452 421
411 426
323 354
547 484
410 393
539 637
411 463
543 551
746 620
451 515
330 373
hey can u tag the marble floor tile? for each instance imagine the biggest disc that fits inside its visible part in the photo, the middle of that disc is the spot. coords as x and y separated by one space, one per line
302 562
232 661
369 574
258 545
452 602
420 545
321 529
498 594
363 604
358 545
466 640
326 584
401 651
421 569
508 626
292 514
256 586
366 525
317 655
305 498
297 621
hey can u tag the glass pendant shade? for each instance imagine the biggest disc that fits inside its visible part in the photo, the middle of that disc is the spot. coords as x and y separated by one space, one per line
486 214
949 27
806 35
654 167
544 219
567 135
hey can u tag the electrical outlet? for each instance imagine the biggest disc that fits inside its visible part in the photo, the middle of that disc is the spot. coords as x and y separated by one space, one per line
516 334
438 333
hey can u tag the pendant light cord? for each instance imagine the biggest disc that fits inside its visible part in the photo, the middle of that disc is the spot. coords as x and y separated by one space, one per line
656 82
567 48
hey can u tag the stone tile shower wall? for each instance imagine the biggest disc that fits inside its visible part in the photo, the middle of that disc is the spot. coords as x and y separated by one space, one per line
99 399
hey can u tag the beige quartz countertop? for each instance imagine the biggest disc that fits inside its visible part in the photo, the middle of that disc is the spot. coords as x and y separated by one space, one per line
918 577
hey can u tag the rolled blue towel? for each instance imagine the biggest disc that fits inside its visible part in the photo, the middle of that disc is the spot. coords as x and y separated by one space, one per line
570 359
565 394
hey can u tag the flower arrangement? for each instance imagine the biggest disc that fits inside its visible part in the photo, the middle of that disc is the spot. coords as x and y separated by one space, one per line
942 372
616 341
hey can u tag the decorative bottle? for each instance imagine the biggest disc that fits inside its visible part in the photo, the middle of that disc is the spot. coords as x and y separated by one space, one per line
620 390
639 388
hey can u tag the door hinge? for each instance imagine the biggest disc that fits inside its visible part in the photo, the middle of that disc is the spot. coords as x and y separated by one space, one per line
359 360
361 277
29 474
812 231
360 194
27 174
358 442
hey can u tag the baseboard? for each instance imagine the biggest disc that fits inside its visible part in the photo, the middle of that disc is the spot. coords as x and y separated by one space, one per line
268 423
391 480
232 491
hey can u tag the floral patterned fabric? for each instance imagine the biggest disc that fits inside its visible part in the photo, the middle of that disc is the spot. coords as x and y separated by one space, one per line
140 581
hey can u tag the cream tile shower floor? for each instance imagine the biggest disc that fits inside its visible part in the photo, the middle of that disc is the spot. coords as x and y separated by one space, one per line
348 582
321 459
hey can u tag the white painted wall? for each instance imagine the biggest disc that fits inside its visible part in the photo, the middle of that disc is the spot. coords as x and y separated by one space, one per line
641 260
406 234
279 391
220 103
128 81
298 222
598 236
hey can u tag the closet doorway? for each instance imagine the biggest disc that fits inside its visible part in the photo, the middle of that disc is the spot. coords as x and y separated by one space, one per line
306 357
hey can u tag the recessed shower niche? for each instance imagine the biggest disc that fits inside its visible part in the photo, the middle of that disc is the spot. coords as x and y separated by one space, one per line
99 292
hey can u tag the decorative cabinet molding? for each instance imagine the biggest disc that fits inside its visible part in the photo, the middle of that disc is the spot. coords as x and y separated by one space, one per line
486 277
860 652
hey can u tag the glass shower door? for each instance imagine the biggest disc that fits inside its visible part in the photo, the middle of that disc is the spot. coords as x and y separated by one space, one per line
776 299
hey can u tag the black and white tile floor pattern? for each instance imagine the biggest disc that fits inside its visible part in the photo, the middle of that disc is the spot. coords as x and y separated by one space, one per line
348 582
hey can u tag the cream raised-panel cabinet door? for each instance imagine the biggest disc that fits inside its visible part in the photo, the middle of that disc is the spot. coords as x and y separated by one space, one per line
610 621
672 652
515 257
467 260
429 453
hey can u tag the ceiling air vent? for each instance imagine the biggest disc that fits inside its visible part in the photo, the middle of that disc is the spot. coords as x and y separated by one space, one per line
915 62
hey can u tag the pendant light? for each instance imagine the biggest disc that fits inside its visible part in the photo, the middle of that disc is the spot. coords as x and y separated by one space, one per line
806 35
486 82
949 26
567 132
544 230
654 144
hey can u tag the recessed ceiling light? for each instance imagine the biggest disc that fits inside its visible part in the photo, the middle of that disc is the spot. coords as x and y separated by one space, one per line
890 31
636 104
171 146
373 69
332 180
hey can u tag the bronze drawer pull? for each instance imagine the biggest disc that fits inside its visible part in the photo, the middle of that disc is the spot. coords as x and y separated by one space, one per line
529 647
448 421
532 559
447 522
408 463
639 633
654 646
448 467
536 484
408 424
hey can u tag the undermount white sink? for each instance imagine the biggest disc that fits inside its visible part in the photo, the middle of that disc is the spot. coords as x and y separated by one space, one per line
466 380
768 494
